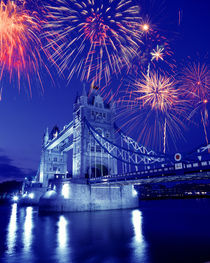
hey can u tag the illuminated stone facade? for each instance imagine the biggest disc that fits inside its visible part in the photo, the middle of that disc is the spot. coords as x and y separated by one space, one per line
89 159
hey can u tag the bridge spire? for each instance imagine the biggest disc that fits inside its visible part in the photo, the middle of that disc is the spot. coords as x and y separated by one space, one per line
46 136
83 97
84 93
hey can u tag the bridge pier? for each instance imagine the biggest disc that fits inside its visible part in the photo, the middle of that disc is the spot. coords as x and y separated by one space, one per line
83 197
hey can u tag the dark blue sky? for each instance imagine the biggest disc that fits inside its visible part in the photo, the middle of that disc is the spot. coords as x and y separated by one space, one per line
23 120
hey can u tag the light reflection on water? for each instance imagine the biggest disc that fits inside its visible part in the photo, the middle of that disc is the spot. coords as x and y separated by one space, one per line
158 232
137 224
27 233
74 237
62 249
139 244
12 228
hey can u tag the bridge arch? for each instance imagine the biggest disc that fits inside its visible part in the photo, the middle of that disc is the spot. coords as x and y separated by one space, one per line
98 170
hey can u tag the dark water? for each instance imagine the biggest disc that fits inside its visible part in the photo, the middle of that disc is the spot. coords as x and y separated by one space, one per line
159 231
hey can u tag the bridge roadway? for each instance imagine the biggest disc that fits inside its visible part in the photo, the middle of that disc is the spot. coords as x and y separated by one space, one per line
157 176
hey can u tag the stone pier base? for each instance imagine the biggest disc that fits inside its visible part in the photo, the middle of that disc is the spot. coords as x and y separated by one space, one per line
82 197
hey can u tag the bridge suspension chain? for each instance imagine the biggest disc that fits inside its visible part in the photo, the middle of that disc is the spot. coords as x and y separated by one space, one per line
135 157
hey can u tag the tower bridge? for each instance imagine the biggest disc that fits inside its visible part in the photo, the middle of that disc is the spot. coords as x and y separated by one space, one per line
102 154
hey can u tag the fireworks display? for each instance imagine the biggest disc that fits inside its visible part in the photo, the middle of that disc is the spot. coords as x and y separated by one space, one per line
93 39
154 51
157 53
156 91
196 81
153 106
196 84
19 42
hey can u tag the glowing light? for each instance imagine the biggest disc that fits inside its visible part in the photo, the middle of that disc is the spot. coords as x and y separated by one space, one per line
93 39
65 191
157 53
145 27
134 192
15 198
31 195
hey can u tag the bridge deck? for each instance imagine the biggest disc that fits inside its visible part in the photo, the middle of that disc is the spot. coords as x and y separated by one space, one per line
149 177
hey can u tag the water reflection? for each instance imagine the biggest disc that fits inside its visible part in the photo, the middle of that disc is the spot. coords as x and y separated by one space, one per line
103 236
12 229
158 233
27 233
62 232
137 224
63 249
138 244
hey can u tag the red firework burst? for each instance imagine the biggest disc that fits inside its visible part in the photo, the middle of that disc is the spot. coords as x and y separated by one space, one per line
19 42
196 81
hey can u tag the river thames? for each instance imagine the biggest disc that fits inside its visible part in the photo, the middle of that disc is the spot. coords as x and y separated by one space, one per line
160 231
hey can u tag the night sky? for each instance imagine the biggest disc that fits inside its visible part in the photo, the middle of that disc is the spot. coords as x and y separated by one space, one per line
23 119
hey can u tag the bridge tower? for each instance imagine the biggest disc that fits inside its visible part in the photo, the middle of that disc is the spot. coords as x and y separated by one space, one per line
89 158
53 161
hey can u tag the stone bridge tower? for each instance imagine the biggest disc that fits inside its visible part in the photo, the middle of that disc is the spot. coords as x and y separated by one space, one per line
89 159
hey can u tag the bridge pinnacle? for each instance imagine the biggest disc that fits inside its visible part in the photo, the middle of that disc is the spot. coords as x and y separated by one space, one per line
84 93
46 136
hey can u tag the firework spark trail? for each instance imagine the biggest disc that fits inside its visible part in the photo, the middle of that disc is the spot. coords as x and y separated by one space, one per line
20 44
204 128
93 39
164 137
